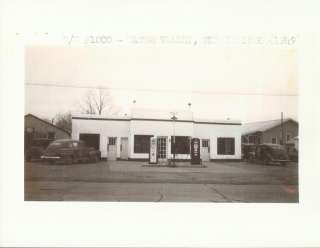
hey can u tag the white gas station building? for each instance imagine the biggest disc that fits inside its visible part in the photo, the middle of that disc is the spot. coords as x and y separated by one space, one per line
128 137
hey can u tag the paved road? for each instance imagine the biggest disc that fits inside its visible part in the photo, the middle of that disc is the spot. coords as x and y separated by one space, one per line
157 192
135 172
131 181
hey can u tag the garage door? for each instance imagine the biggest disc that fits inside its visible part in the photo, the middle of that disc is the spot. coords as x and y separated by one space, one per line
90 139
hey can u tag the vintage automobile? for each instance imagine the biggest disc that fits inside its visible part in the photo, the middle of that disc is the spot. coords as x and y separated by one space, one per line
70 151
271 154
35 149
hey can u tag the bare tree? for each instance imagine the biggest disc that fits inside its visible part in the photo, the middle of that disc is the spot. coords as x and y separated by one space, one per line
98 101
63 120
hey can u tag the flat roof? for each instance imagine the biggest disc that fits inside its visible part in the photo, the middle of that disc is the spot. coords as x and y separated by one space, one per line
122 118
148 114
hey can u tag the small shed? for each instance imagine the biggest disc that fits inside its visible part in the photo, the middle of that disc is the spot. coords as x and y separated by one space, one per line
37 128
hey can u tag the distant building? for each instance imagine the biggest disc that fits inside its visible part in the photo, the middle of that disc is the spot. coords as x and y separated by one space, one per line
36 128
269 131
128 137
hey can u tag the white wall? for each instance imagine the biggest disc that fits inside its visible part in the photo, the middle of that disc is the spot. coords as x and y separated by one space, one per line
213 132
126 128
106 128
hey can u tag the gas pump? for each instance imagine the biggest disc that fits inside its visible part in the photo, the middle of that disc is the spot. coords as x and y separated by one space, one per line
153 158
195 151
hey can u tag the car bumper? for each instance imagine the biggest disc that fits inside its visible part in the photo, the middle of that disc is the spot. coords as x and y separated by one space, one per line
280 161
50 157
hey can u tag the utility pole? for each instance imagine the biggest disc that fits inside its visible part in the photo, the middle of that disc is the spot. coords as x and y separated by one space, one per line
174 118
282 131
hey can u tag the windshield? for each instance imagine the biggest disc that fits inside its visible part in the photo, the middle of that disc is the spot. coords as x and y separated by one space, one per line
57 144
42 143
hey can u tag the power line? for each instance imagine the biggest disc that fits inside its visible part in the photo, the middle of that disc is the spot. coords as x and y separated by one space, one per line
203 92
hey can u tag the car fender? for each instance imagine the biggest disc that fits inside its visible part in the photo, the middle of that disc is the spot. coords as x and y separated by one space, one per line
65 152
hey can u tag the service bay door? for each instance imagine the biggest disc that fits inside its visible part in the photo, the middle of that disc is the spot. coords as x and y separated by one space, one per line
124 148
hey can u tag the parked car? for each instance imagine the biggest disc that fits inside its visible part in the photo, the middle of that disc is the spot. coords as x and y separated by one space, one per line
70 151
36 149
271 154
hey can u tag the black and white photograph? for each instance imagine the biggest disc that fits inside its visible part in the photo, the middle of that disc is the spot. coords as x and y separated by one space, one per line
161 123
148 123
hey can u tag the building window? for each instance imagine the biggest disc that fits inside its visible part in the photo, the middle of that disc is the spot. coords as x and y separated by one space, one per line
205 143
274 140
252 139
180 145
112 141
51 135
142 143
226 146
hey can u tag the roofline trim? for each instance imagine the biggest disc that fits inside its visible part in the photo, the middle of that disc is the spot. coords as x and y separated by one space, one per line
99 118
148 119
218 123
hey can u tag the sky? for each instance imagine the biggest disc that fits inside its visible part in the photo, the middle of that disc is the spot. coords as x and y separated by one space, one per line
243 83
